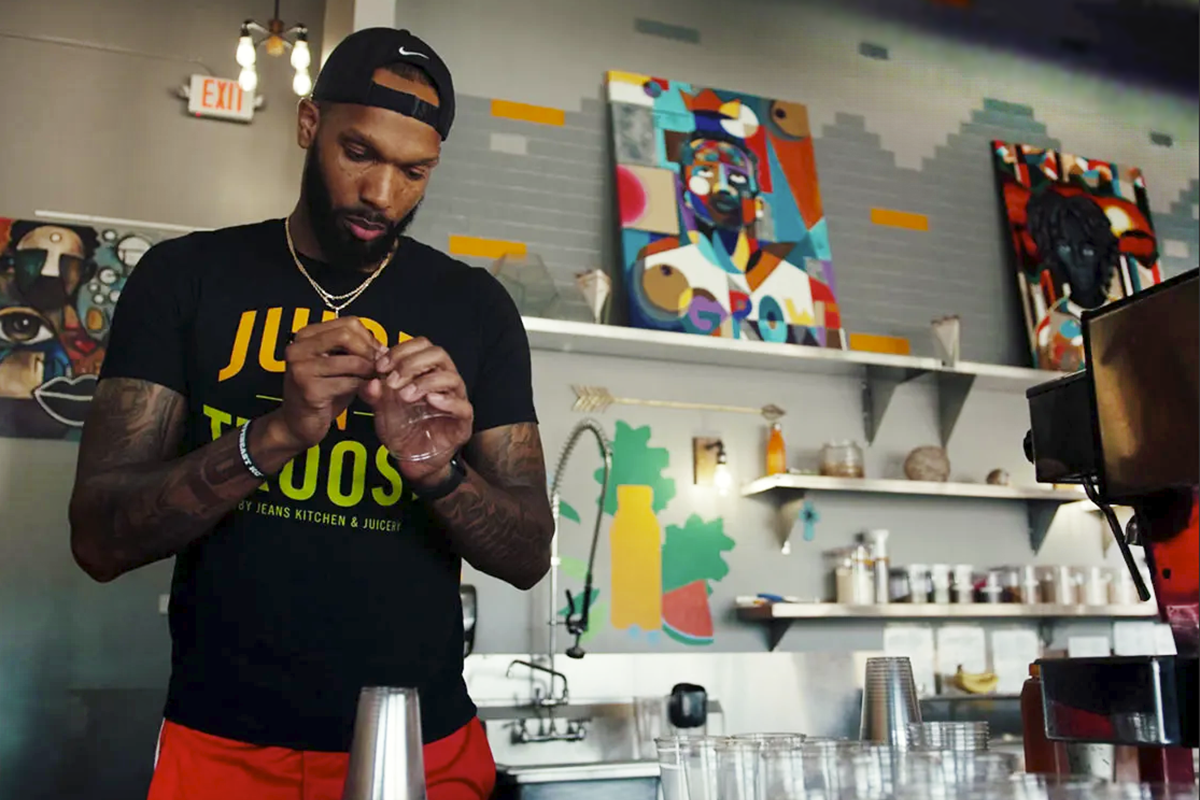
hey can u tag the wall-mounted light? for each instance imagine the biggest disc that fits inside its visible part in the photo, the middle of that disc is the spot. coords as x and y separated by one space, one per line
276 40
711 464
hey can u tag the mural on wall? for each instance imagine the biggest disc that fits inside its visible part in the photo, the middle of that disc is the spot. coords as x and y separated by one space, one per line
660 576
59 286
722 228
1082 236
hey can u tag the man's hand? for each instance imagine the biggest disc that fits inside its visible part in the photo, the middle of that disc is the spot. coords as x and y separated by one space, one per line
413 372
327 365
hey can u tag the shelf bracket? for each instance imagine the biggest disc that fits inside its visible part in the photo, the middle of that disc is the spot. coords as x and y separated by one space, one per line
776 628
952 389
786 517
1041 515
877 389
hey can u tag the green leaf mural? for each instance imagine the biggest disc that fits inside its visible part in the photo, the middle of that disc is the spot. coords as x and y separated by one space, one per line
693 552
636 463
567 511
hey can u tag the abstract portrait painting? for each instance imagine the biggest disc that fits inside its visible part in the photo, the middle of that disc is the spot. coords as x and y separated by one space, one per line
1082 238
722 228
59 286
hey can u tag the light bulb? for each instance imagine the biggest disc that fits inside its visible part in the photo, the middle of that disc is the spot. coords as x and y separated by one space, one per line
248 79
245 51
301 55
722 478
302 83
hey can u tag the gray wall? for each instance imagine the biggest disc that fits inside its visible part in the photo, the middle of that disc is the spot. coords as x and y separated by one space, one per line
82 666
910 133
87 130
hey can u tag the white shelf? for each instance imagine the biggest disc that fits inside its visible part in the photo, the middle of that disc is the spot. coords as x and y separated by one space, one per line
789 484
779 617
614 340
779 611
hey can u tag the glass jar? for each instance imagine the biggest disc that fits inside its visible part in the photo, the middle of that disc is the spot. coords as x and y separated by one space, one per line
842 459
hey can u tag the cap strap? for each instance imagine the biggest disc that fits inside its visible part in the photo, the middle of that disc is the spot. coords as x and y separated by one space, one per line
403 103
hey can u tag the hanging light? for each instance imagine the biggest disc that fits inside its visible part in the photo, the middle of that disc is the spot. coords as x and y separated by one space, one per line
301 56
248 79
276 40
245 48
302 83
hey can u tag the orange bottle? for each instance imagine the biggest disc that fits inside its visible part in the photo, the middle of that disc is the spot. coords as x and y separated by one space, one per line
776 453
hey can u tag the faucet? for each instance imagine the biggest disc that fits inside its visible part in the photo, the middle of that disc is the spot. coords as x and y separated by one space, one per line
576 623
550 700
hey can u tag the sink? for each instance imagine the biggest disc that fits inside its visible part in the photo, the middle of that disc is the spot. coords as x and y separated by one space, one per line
603 780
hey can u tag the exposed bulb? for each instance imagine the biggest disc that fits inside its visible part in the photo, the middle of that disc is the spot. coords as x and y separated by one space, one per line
722 477
302 83
301 55
245 51
248 79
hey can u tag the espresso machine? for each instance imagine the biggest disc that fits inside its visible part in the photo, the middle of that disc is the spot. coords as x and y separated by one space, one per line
1125 428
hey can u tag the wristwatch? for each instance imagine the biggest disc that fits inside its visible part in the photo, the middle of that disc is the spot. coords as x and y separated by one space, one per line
458 474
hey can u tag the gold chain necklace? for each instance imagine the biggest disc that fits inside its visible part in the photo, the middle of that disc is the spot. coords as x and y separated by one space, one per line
335 302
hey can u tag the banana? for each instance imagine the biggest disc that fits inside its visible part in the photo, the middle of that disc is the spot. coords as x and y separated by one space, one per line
975 682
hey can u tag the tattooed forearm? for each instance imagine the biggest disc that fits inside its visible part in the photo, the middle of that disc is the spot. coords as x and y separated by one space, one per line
134 502
499 518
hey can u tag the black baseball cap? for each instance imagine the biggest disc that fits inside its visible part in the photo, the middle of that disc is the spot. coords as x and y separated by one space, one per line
348 76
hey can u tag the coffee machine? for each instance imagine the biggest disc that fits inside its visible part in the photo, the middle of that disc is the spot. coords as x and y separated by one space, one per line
1125 428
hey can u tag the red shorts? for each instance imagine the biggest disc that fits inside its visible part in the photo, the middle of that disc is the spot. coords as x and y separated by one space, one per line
199 766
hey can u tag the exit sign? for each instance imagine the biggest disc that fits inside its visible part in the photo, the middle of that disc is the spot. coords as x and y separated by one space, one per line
221 98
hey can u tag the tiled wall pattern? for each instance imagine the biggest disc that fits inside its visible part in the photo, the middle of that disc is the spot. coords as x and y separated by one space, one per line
908 244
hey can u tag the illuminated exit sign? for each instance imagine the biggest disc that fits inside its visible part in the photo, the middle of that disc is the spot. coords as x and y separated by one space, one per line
221 98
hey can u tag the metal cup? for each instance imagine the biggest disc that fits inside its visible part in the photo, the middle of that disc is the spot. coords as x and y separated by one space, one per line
889 701
386 757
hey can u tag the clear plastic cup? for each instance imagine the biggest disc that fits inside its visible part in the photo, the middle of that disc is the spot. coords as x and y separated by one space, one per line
414 431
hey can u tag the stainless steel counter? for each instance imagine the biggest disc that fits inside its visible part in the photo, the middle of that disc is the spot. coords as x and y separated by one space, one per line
570 773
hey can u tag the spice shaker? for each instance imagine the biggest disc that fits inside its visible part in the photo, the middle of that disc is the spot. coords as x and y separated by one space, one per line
939 580
964 583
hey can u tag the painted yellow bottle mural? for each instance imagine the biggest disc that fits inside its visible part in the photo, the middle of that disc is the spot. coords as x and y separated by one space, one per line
636 542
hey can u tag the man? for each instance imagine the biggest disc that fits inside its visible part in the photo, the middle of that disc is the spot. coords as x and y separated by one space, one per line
235 431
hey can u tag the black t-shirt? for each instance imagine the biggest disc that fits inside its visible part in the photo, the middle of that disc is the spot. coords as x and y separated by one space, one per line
331 576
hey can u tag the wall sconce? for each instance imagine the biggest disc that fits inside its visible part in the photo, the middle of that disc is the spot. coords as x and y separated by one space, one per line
711 464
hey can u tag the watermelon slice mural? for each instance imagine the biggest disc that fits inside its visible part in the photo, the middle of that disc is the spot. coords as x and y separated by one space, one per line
657 583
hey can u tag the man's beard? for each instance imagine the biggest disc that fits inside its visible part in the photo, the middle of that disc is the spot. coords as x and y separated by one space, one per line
340 247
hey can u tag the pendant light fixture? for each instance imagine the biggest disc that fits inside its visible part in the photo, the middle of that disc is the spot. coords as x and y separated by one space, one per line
275 40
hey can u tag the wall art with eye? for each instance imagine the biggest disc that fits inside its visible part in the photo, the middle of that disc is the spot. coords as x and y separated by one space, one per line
1082 237
59 286
722 228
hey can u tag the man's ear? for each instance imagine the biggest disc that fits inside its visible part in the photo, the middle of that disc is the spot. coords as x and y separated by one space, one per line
308 118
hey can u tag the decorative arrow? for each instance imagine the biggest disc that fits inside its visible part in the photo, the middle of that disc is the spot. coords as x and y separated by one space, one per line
597 399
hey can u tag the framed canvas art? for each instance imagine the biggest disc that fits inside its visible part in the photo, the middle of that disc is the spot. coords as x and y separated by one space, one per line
722 229
1082 237
59 286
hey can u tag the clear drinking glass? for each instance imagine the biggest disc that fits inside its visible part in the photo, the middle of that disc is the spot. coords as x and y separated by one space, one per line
698 756
738 762
670 767
415 431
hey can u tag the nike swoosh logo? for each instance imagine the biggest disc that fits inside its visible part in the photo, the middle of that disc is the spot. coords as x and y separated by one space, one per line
404 52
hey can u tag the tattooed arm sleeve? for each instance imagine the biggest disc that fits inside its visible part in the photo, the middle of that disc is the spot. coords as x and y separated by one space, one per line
499 517
134 502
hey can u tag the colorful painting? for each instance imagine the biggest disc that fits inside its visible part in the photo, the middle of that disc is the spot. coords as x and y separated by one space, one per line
59 286
1082 237
722 228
